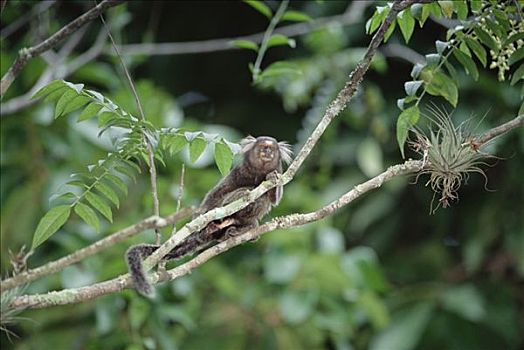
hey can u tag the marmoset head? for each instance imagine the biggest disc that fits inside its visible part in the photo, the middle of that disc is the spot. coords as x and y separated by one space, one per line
265 153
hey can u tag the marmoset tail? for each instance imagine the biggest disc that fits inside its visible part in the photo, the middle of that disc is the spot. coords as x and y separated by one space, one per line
262 160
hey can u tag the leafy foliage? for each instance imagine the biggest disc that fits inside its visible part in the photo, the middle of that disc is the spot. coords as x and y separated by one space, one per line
271 40
489 26
379 272
92 190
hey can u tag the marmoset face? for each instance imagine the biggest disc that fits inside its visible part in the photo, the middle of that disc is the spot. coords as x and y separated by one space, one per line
267 150
265 154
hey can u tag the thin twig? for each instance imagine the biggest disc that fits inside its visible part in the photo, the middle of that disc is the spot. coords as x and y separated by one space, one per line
57 265
149 146
23 101
25 54
35 11
497 131
267 35
180 187
353 15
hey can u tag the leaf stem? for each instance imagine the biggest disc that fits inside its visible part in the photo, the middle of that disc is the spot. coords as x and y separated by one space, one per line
267 35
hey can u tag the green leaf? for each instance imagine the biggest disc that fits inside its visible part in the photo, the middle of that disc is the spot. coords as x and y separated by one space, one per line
439 84
279 40
88 215
519 74
245 44
451 70
280 68
50 223
118 182
223 157
99 204
476 5
441 46
513 37
76 103
497 29
432 59
411 87
295 16
63 101
90 111
55 95
502 19
516 56
108 192
390 30
196 147
416 11
376 20
461 8
417 68
447 7
176 143
468 63
77 87
125 170
406 24
486 39
406 120
260 7
426 11
49 88
405 329
133 165
477 49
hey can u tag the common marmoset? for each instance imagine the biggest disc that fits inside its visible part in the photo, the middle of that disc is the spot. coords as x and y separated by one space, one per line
262 159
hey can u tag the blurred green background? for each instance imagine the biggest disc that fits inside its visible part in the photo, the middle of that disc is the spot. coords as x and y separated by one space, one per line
382 273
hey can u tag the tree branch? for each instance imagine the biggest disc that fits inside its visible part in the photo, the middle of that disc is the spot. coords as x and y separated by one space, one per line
35 11
76 295
18 103
353 15
497 131
332 111
57 265
25 54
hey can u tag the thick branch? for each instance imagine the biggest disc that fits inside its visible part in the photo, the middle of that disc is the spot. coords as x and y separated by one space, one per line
76 295
57 265
333 110
26 54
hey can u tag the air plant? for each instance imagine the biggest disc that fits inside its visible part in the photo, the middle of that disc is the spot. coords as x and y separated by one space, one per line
448 155
8 314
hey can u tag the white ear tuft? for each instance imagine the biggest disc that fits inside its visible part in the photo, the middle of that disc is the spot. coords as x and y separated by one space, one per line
285 151
247 143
